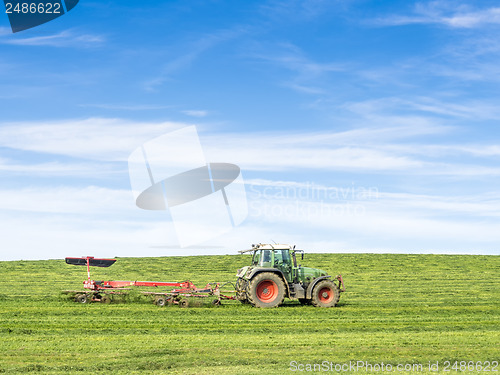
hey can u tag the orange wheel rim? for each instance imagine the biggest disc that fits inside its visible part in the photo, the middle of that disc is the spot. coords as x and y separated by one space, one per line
325 295
267 291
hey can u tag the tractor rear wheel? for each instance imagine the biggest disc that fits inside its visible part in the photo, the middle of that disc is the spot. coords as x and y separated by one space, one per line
325 294
266 290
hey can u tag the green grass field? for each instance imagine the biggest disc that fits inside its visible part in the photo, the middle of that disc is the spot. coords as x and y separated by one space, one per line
398 309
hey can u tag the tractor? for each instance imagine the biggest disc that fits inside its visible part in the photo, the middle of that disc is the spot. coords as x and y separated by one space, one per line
274 275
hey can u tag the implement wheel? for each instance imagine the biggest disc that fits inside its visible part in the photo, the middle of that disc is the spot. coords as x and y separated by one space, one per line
81 298
241 294
325 294
266 290
106 299
160 301
184 303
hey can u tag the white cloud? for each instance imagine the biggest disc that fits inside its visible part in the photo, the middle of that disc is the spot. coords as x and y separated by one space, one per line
65 221
484 205
383 149
446 14
470 55
66 38
310 90
334 139
295 61
196 113
5 31
424 105
309 75
128 107
60 168
354 150
286 157
92 139
191 51
300 10
54 222
56 237
91 200
406 222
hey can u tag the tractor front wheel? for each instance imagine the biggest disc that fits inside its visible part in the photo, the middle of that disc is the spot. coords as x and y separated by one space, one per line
241 287
325 294
266 290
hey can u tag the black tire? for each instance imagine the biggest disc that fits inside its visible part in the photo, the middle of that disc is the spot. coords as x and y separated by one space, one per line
241 294
106 299
325 294
266 290
81 298
184 303
160 301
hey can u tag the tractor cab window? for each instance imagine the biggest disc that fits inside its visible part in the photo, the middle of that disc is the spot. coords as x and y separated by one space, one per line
256 258
282 256
266 257
262 258
286 257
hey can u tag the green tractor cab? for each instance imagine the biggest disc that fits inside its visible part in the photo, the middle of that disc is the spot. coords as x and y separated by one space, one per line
274 275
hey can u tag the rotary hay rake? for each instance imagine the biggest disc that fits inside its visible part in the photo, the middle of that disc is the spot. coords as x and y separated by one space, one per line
178 293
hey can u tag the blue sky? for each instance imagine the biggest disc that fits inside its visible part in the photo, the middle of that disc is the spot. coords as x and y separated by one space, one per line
359 126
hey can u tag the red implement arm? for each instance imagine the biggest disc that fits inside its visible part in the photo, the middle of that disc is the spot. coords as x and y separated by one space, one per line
96 285
113 284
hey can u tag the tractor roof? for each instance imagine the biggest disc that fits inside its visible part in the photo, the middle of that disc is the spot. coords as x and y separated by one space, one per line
261 246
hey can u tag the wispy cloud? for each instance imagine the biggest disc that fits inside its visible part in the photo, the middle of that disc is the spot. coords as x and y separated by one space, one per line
293 58
68 38
77 235
300 10
470 53
196 113
398 150
68 200
460 219
280 157
191 51
458 109
308 75
391 222
5 31
393 149
91 139
60 168
128 107
485 205
447 14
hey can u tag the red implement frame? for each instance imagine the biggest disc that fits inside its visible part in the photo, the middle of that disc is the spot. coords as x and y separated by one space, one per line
185 288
